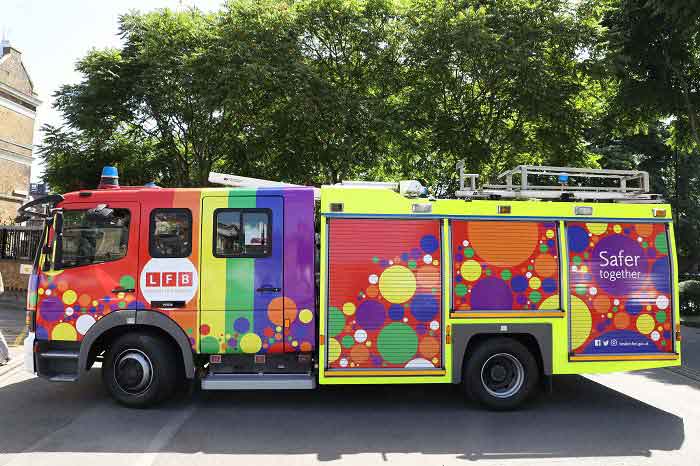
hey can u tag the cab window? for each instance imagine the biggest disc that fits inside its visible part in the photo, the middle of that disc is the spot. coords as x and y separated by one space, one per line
92 239
170 233
242 233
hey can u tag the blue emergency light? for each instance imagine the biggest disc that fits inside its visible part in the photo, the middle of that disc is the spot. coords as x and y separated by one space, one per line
109 178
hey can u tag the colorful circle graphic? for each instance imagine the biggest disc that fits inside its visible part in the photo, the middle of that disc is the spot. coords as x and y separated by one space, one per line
490 247
470 270
250 343
424 307
581 322
397 343
397 284
333 350
491 293
64 331
645 323
370 315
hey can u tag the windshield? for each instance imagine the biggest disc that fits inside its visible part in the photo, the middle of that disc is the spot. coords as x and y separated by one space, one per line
90 239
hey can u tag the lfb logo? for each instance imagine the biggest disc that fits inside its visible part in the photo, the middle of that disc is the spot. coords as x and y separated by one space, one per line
167 279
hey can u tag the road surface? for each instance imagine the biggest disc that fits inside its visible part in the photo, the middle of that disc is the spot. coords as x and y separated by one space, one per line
624 419
646 418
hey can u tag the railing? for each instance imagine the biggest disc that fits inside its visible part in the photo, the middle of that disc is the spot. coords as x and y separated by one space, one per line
19 243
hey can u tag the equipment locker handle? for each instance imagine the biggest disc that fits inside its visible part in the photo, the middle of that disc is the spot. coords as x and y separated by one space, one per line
271 289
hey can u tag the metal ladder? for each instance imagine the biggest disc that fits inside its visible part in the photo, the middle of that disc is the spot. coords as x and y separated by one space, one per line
628 185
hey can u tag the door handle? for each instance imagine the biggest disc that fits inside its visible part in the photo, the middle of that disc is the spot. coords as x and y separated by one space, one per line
123 290
270 289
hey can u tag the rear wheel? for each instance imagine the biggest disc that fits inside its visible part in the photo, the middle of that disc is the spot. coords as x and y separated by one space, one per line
501 374
140 370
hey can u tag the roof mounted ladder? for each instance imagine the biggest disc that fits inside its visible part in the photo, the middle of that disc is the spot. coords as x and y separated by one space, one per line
627 185
237 181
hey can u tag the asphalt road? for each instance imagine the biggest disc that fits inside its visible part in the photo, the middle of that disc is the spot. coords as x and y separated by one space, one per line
626 419
644 418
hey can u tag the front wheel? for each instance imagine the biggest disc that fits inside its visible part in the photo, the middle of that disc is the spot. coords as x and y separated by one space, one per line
140 370
500 374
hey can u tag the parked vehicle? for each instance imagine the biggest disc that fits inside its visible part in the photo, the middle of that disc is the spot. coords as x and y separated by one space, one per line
498 290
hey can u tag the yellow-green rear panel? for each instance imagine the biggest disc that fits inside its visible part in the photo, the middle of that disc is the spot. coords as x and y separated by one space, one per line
379 203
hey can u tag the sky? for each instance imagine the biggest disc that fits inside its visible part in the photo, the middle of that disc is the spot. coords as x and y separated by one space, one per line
54 34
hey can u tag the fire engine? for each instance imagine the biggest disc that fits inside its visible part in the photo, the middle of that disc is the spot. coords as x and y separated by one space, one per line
266 285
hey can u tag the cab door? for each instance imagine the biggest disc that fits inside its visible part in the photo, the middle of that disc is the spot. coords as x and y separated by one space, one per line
94 268
241 298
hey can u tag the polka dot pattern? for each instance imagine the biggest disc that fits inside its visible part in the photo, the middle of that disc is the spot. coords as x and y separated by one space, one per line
507 265
385 295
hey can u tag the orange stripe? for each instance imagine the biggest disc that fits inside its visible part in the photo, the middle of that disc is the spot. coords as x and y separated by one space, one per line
640 357
486 315
386 373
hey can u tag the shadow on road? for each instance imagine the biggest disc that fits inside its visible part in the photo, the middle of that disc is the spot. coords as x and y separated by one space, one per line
581 418
688 377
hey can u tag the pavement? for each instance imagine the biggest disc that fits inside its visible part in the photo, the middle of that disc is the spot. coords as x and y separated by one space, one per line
691 321
642 418
12 317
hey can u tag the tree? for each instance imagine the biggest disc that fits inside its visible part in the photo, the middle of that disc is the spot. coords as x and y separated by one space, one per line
653 53
674 165
336 118
494 83
194 86
73 159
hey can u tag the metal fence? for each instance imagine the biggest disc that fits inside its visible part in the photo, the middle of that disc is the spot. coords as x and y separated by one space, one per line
19 243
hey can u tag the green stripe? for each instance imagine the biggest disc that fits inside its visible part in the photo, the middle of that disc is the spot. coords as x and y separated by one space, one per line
240 274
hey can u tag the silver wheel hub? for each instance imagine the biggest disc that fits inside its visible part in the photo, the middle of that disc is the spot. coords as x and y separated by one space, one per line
133 371
502 375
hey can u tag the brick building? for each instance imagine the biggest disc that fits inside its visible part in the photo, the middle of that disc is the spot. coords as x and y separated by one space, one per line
18 104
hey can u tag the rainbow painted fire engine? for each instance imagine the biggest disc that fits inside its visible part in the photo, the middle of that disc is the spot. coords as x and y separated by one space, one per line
266 285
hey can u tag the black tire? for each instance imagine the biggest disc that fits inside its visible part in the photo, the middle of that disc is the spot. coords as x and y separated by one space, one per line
501 374
140 370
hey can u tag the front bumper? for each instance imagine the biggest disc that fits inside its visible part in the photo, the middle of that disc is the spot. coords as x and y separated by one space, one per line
29 363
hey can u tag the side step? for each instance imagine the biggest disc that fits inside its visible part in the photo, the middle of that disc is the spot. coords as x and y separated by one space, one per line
58 365
259 382
63 378
58 354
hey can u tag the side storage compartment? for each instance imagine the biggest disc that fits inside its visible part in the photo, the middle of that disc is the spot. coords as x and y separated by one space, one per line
621 293
505 267
384 310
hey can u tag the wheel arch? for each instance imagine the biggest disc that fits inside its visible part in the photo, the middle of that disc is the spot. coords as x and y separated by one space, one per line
119 322
536 337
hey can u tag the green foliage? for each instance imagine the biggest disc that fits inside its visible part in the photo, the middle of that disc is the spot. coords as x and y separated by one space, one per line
653 50
690 297
494 83
675 175
650 55
73 158
320 91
